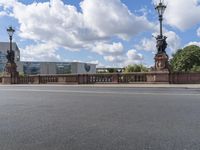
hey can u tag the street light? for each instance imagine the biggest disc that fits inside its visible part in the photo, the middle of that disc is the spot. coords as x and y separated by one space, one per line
161 9
161 40
161 58
10 32
11 67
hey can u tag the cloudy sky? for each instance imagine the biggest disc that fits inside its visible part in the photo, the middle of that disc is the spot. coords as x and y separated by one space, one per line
111 33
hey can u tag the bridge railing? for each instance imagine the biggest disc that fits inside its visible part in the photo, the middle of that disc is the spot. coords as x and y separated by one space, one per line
185 78
84 79
120 78
133 78
26 80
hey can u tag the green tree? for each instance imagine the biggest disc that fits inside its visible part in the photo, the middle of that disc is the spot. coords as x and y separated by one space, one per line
136 68
186 59
195 68
111 70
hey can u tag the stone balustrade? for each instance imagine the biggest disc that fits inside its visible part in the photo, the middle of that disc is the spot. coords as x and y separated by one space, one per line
185 78
116 78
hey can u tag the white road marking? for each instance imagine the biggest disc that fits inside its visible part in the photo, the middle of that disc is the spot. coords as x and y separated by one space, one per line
100 92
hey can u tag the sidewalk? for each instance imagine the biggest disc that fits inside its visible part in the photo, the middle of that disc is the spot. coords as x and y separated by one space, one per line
191 86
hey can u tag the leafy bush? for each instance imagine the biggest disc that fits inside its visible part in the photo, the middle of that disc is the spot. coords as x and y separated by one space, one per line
136 68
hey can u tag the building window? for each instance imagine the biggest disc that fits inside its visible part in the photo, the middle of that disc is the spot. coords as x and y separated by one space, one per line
31 68
63 68
3 61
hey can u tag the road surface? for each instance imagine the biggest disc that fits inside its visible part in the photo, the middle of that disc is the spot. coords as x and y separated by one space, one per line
99 118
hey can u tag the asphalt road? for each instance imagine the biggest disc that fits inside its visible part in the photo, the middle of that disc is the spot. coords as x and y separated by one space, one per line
91 118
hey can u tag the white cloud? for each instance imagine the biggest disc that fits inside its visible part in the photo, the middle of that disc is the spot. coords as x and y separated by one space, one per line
131 57
8 3
146 45
116 59
40 52
134 55
113 18
62 25
193 43
173 40
198 32
50 21
3 13
106 49
182 14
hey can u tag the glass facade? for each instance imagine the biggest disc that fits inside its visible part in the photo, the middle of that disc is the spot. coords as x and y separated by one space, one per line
3 61
34 68
31 68
63 68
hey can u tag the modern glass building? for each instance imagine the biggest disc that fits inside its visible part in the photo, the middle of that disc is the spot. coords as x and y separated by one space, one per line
2 61
4 47
34 68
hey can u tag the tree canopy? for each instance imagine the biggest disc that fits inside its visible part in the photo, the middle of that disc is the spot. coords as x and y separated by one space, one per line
136 68
186 59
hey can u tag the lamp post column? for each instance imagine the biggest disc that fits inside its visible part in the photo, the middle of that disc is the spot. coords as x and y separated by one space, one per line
161 19
161 58
10 37
11 74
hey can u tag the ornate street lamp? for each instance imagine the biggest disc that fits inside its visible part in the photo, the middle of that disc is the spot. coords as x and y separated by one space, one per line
10 53
161 58
11 67
161 9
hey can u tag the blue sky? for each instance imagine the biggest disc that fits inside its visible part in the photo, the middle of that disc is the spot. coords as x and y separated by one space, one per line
110 33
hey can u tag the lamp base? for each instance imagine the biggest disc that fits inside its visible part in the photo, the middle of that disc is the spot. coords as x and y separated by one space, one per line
10 76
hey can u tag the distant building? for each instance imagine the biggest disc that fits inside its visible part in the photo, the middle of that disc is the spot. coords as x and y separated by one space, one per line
33 68
110 70
4 46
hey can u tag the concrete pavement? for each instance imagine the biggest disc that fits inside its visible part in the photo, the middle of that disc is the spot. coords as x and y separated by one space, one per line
58 117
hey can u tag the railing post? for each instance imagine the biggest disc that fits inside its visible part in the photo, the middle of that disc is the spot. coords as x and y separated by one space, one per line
115 78
79 78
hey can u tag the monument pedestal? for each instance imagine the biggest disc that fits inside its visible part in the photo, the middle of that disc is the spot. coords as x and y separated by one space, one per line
159 77
160 73
161 62
10 76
